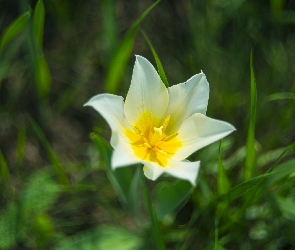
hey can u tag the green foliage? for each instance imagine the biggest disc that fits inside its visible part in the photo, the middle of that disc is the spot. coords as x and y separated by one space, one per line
105 237
154 228
281 96
250 144
14 29
17 219
39 194
170 196
4 171
58 168
121 178
42 73
119 61
38 23
157 59
223 182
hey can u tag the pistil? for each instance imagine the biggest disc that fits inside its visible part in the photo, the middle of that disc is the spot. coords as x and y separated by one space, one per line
156 136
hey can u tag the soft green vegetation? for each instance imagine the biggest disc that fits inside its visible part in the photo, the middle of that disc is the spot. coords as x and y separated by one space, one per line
58 190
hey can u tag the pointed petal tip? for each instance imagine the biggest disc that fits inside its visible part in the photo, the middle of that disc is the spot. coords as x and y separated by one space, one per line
86 104
139 58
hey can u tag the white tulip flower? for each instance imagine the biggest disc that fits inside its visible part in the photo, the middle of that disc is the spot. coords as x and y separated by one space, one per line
158 126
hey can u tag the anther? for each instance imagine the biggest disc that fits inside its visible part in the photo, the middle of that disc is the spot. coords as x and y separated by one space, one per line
147 145
138 131
153 155
166 122
170 137
161 151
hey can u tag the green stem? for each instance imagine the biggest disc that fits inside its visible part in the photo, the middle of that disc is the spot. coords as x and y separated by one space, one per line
159 243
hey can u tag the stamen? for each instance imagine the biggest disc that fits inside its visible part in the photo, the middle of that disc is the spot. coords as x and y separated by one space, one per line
151 118
161 151
159 162
138 131
153 155
147 145
166 122
170 137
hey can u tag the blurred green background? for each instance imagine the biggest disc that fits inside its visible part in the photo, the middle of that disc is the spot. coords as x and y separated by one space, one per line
57 191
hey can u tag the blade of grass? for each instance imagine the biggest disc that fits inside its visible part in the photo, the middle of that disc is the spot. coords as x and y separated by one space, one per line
42 73
223 185
110 35
119 61
4 171
222 180
254 186
283 170
38 23
57 166
281 96
135 194
42 76
157 59
14 29
250 144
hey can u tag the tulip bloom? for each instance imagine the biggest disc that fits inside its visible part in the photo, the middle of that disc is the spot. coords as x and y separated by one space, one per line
158 126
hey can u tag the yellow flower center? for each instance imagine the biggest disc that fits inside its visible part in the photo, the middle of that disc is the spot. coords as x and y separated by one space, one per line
151 143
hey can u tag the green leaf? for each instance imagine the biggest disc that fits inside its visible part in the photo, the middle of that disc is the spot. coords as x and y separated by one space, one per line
4 171
134 199
169 197
277 8
120 59
42 76
109 27
250 144
38 23
281 96
42 73
282 171
14 29
120 178
104 237
222 180
157 59
57 166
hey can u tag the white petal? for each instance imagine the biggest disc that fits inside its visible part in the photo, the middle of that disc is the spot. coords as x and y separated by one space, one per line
184 170
111 107
152 171
123 154
198 131
187 99
147 92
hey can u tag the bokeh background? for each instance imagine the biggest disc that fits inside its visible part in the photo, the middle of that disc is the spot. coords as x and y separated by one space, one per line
55 192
